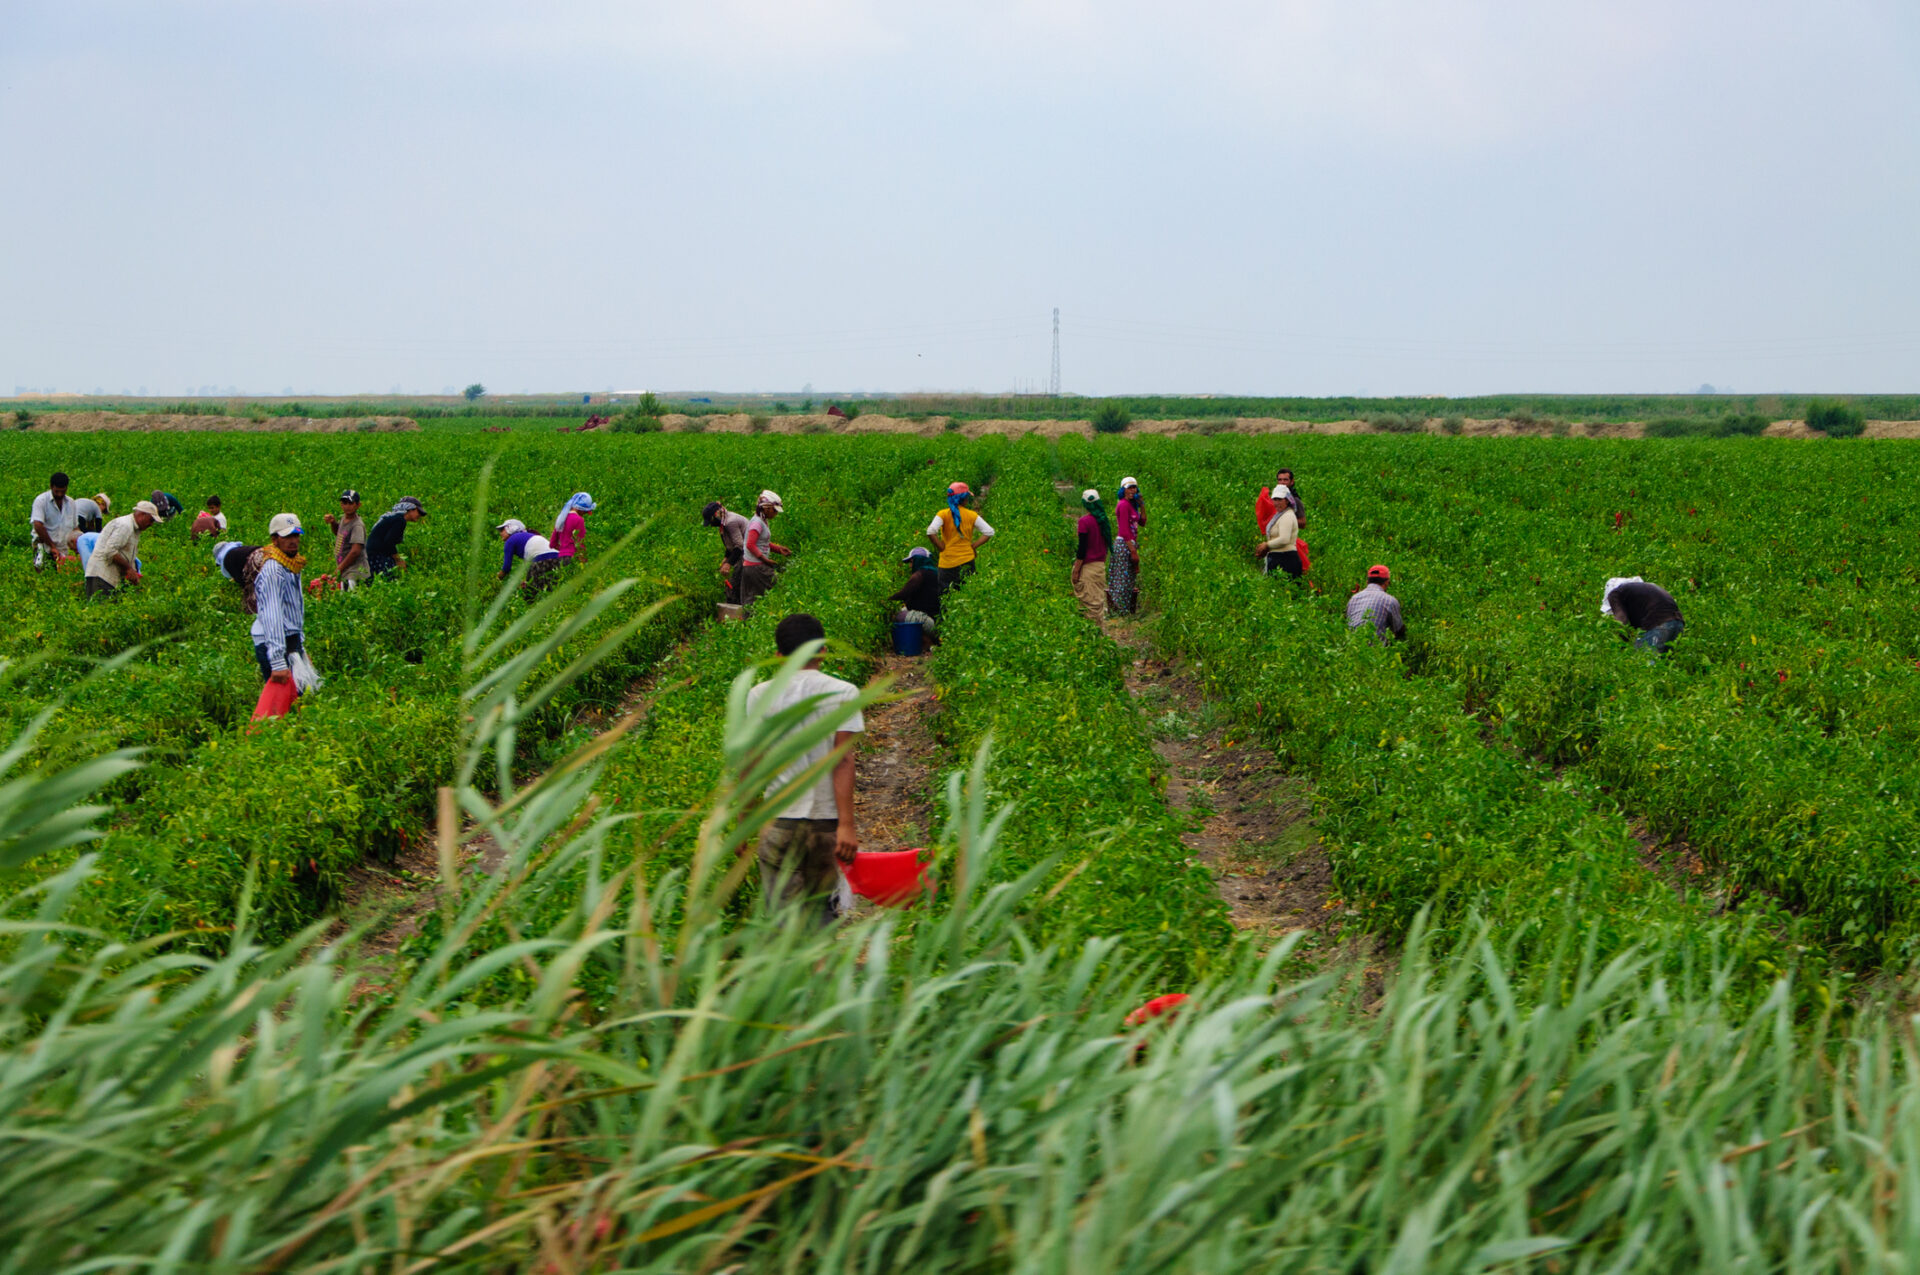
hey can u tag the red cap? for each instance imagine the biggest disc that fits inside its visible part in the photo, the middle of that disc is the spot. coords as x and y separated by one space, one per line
959 489
1378 572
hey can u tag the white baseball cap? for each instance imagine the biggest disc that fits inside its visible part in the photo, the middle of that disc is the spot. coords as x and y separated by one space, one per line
148 508
511 525
1089 494
770 498
284 525
1128 482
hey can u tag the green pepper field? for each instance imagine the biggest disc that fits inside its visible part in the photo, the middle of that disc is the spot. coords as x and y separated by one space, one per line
1491 796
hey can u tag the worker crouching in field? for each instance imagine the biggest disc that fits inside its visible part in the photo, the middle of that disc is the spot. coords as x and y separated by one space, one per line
957 533
542 559
115 560
91 511
733 544
1090 556
1278 550
756 565
1371 605
281 617
383 542
919 597
798 849
1646 607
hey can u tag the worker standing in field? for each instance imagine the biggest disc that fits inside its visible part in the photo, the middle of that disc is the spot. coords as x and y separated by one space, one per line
733 544
542 559
1372 605
571 525
798 850
91 511
1647 607
958 532
280 620
383 541
756 566
1090 555
115 560
349 542
56 522
1267 503
1277 549
919 597
1123 565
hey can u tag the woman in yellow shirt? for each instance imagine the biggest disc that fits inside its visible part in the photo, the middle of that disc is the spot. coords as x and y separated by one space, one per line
957 532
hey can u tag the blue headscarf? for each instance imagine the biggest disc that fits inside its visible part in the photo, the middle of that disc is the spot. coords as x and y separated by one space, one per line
579 500
954 500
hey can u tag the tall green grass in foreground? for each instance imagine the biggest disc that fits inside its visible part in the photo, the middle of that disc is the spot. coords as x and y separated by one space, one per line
926 1091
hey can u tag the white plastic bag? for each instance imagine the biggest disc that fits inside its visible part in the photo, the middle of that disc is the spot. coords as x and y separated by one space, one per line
305 676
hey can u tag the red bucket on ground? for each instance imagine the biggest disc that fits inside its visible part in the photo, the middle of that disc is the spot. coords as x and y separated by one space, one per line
1156 1008
891 878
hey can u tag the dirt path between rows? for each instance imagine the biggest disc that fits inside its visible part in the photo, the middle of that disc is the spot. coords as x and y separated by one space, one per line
1249 821
892 793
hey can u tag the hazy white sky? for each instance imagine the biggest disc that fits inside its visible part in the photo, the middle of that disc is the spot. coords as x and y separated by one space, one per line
1289 197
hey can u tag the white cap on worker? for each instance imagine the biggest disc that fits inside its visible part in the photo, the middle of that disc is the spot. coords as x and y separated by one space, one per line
1280 491
148 508
1089 494
511 525
1128 482
770 498
284 525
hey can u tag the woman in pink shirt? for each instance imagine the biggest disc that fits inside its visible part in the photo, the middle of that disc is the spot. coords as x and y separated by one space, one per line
572 524
1123 566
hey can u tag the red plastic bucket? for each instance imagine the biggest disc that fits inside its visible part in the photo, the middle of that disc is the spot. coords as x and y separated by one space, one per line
891 878
276 700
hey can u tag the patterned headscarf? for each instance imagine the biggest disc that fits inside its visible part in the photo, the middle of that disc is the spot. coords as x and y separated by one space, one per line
406 505
579 500
958 494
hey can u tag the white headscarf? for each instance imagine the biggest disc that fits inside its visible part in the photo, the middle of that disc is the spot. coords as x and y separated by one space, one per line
1613 584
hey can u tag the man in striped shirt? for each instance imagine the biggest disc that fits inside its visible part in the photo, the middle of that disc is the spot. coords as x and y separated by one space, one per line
281 619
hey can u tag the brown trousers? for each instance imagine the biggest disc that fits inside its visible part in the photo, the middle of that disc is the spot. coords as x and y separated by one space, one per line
1092 590
797 867
755 578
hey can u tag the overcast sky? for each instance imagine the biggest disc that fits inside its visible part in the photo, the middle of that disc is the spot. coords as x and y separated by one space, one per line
1278 197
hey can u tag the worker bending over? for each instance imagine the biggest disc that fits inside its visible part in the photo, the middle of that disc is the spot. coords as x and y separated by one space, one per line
919 597
1371 604
1646 607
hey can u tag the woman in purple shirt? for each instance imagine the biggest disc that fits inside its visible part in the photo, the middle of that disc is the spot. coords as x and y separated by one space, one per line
1123 567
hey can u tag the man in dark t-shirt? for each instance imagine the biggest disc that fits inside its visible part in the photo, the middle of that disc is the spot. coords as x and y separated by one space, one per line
1646 607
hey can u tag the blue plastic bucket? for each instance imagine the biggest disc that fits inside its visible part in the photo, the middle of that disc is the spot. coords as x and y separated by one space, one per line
908 637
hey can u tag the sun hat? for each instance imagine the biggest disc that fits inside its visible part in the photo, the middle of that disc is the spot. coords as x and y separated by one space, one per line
349 497
770 498
916 553
148 508
285 525
511 525
1378 572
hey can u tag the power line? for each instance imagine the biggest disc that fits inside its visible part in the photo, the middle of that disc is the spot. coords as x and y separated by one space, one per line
1053 386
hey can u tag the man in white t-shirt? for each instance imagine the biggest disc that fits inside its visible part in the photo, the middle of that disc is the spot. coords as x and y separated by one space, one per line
55 523
798 849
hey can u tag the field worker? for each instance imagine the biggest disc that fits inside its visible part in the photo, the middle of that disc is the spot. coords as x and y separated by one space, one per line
1277 550
91 511
798 849
1123 566
231 557
542 558
115 559
83 546
383 542
1372 604
919 597
56 522
1646 607
281 617
209 521
1090 556
756 566
349 541
572 524
733 543
167 504
958 532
